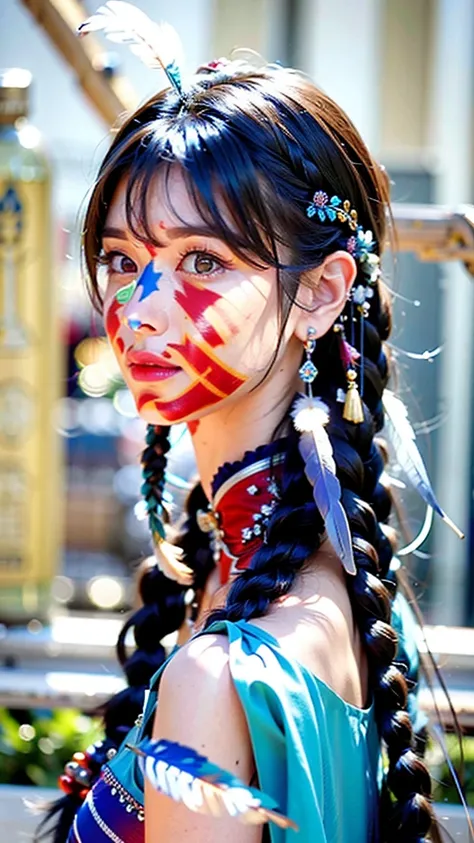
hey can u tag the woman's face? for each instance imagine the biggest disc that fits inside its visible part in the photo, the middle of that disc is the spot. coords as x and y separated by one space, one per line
192 326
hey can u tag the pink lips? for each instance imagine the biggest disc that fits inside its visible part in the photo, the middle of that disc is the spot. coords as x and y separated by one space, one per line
145 366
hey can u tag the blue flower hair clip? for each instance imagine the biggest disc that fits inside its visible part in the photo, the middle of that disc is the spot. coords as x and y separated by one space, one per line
360 244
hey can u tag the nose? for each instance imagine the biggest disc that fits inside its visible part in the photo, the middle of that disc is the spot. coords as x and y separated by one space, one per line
143 312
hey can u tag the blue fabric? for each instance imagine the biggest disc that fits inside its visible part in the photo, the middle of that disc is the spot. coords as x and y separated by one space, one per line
404 623
316 755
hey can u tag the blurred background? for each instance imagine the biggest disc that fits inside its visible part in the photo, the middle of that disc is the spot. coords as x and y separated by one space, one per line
70 440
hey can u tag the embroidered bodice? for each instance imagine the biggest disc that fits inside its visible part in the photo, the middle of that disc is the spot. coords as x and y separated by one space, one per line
244 495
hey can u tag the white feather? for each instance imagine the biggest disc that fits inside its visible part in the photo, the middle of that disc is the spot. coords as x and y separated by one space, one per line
157 45
310 415
407 454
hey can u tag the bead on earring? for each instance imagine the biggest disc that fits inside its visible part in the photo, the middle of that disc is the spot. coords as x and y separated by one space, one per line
308 371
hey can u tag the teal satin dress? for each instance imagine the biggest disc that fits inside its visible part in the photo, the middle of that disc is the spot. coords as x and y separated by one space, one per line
316 755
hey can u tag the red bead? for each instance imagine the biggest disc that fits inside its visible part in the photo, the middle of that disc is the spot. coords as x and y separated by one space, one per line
66 783
81 759
83 793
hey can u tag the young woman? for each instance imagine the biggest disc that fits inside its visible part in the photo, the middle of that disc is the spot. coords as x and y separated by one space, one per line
234 234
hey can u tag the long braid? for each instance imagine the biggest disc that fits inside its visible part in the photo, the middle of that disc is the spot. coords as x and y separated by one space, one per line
162 612
163 606
367 503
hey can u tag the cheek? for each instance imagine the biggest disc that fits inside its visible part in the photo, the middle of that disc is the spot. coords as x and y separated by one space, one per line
256 315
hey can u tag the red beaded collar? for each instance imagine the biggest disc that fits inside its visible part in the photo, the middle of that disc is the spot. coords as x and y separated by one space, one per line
238 514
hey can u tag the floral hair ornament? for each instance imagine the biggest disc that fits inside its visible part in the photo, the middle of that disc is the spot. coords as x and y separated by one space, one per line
157 45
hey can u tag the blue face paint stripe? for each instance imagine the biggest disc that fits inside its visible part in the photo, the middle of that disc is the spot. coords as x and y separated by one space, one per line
148 281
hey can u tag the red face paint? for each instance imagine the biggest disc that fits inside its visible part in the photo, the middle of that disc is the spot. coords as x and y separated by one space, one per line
216 374
193 426
112 320
196 302
210 380
214 382
194 398
152 250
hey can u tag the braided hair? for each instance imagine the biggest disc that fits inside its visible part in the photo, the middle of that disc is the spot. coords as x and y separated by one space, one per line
252 147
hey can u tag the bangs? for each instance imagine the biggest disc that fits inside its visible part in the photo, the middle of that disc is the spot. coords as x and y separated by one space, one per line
228 192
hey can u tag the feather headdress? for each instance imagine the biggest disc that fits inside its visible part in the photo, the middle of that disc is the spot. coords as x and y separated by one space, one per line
181 773
310 415
402 436
157 45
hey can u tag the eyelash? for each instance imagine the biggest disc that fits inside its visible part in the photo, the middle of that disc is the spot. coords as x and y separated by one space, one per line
106 258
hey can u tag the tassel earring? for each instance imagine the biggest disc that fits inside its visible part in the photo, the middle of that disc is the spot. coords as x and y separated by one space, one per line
353 410
310 416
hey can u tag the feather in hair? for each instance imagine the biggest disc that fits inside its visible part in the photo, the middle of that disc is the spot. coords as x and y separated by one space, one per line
310 415
157 45
408 456
181 773
169 560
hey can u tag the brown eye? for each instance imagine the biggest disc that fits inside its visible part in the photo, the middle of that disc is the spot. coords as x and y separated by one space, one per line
200 263
204 264
123 264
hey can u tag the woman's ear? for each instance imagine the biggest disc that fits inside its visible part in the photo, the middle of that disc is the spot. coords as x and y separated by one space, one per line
323 294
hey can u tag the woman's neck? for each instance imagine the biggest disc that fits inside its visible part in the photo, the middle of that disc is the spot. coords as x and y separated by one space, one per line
224 436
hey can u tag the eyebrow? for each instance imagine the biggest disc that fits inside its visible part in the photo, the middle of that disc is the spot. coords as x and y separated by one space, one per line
173 233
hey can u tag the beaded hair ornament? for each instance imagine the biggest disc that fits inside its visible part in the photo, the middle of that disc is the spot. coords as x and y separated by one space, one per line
360 245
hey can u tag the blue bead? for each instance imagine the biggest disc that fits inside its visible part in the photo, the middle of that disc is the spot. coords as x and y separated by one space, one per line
308 372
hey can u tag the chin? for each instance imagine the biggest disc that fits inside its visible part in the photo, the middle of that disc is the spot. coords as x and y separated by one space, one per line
150 416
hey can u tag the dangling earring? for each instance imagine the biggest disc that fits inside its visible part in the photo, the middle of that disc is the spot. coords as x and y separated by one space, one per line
308 371
310 416
353 410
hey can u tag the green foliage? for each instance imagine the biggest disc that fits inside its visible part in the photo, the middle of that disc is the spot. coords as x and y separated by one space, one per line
444 789
35 745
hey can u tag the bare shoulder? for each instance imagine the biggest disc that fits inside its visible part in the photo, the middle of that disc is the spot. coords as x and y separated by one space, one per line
198 703
198 706
200 666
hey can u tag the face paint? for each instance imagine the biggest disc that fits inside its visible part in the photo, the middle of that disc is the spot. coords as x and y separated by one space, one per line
193 426
200 304
148 281
215 381
150 249
194 398
220 378
112 320
125 294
